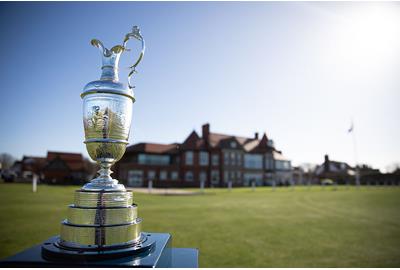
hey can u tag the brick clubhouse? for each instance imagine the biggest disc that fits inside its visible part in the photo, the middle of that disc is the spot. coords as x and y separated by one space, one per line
212 158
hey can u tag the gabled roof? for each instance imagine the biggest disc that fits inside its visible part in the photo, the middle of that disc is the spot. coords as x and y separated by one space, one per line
74 161
33 163
193 142
153 148
227 143
250 145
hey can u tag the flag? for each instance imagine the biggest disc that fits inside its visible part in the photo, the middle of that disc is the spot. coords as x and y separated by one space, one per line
351 128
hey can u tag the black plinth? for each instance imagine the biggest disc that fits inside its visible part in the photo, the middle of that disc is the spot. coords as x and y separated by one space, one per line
160 255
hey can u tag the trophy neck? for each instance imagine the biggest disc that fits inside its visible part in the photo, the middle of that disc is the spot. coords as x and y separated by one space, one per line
110 67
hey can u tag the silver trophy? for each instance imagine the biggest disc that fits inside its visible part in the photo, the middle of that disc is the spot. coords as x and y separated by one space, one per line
107 113
103 215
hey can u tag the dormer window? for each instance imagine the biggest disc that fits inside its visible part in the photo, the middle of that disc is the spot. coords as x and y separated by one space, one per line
233 144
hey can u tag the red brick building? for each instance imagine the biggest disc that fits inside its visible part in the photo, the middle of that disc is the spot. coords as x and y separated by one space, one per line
213 158
65 168
55 168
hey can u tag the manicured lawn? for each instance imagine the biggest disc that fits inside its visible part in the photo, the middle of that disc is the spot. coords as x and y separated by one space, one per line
283 228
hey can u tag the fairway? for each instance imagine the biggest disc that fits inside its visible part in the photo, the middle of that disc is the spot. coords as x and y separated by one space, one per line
285 227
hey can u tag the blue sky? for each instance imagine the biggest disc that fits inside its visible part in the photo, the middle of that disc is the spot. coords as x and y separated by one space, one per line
299 71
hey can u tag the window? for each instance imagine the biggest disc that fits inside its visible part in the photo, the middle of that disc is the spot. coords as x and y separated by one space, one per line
233 144
135 178
226 158
269 163
226 176
233 158
215 159
238 175
239 159
203 158
282 165
203 176
189 158
286 165
215 176
153 159
253 161
163 175
174 175
232 175
189 176
278 164
151 175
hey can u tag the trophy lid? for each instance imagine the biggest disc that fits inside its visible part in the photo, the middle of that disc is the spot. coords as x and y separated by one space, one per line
109 81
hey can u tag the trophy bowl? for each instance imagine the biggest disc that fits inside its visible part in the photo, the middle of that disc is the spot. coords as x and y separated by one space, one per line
106 119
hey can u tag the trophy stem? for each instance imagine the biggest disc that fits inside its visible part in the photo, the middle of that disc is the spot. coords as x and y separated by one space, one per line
104 181
105 171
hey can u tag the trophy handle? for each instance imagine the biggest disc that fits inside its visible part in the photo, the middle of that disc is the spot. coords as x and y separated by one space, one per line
135 33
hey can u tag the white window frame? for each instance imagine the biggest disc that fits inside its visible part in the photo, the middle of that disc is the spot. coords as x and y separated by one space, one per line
226 158
203 176
187 178
163 175
204 158
215 159
174 175
135 176
189 157
215 176
151 175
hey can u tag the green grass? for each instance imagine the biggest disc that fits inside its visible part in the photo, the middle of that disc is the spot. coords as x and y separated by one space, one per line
283 228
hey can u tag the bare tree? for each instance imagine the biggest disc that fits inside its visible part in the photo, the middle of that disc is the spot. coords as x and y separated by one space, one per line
90 167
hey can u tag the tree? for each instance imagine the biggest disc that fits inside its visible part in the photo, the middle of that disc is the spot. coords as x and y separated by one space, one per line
392 168
6 161
90 167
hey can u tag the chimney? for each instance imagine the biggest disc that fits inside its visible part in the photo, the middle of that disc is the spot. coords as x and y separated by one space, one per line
256 135
205 131
326 163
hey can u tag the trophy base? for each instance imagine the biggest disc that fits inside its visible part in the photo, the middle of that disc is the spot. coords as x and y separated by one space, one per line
101 220
54 249
160 254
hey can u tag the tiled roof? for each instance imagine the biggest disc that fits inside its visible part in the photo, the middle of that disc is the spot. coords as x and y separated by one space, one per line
208 139
215 138
277 155
74 161
250 145
34 160
64 156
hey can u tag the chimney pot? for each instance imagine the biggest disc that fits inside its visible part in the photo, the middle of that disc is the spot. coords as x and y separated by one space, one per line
256 135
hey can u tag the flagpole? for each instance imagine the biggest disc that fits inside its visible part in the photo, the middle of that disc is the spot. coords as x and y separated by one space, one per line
355 154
